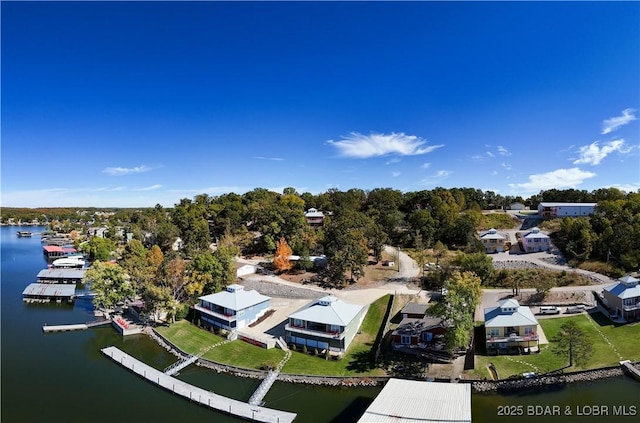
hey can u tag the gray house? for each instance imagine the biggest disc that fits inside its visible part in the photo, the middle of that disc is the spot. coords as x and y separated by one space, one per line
623 298
233 308
327 323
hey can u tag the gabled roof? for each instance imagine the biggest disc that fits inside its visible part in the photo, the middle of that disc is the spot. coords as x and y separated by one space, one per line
508 313
62 273
411 326
235 298
50 290
414 308
328 310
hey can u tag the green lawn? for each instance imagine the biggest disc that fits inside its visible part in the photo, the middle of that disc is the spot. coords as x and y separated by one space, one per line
624 339
357 361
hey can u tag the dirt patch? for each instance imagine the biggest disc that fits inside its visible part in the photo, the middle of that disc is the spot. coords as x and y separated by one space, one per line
558 297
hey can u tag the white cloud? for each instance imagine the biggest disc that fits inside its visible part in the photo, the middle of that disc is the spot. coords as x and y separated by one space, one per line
494 173
119 171
613 123
506 166
628 187
477 157
361 146
559 178
393 160
425 166
593 154
503 151
275 159
149 188
436 177
395 174
490 154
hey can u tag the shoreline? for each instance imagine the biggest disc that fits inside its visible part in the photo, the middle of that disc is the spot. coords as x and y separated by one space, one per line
477 386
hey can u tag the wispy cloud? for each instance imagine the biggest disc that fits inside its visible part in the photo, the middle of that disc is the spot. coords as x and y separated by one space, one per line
119 171
149 188
593 154
477 157
613 123
275 159
628 187
506 166
490 154
393 160
361 146
503 151
436 177
559 178
425 165
395 174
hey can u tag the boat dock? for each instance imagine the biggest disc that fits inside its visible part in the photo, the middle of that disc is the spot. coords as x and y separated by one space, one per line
199 395
631 369
79 326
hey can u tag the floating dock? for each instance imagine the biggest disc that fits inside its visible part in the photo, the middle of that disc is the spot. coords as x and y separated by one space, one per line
199 395
77 326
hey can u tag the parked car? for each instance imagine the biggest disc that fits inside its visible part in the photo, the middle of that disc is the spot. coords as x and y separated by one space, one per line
549 310
575 309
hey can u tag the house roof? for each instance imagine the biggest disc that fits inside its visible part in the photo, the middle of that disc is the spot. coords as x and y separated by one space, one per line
627 287
328 310
412 326
235 298
414 308
535 233
503 316
410 401
492 234
553 204
314 213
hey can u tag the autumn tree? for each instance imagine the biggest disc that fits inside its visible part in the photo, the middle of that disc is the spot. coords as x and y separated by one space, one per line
281 260
110 284
571 340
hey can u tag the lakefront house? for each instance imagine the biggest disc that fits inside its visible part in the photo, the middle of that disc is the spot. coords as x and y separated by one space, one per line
233 308
325 324
623 298
510 328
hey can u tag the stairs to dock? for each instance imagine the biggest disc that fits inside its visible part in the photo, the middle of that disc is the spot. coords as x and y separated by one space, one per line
261 392
190 359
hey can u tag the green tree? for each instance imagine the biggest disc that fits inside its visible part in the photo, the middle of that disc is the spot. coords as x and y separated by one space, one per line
457 308
478 263
110 284
346 246
571 340
99 249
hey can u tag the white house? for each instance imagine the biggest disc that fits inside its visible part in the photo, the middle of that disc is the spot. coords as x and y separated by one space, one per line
244 269
314 217
327 323
493 241
534 241
623 298
510 326
552 210
233 308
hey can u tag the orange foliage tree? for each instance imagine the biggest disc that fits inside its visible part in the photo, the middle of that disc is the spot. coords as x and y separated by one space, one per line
281 260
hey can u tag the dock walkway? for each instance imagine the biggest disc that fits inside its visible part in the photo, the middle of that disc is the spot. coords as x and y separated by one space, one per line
199 395
633 371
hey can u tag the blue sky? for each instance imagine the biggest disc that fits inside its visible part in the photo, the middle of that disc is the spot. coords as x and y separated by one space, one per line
123 104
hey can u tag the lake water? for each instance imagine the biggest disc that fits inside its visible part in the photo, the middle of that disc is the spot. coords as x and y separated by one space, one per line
63 377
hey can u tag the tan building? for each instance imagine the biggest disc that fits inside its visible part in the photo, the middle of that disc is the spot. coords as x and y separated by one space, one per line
494 242
510 328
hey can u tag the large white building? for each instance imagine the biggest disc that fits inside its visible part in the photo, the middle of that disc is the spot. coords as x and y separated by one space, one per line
552 210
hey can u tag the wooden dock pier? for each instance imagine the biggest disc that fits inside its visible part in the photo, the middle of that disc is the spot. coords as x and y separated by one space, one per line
199 395
79 326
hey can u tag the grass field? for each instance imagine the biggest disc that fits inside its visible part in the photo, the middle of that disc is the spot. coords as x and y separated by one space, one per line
358 361
611 344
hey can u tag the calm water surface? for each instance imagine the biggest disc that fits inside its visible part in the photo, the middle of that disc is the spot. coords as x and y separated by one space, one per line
63 377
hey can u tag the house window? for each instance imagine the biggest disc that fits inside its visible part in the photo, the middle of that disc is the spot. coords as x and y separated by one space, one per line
494 331
528 330
298 323
405 339
334 328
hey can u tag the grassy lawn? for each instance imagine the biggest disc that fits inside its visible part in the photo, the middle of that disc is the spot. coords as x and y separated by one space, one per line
242 354
625 341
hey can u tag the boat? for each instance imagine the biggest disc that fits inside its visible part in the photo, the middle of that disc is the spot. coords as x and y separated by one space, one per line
24 234
69 262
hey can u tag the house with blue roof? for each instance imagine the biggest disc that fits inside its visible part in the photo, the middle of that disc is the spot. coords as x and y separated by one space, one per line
231 309
325 324
623 298
510 328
